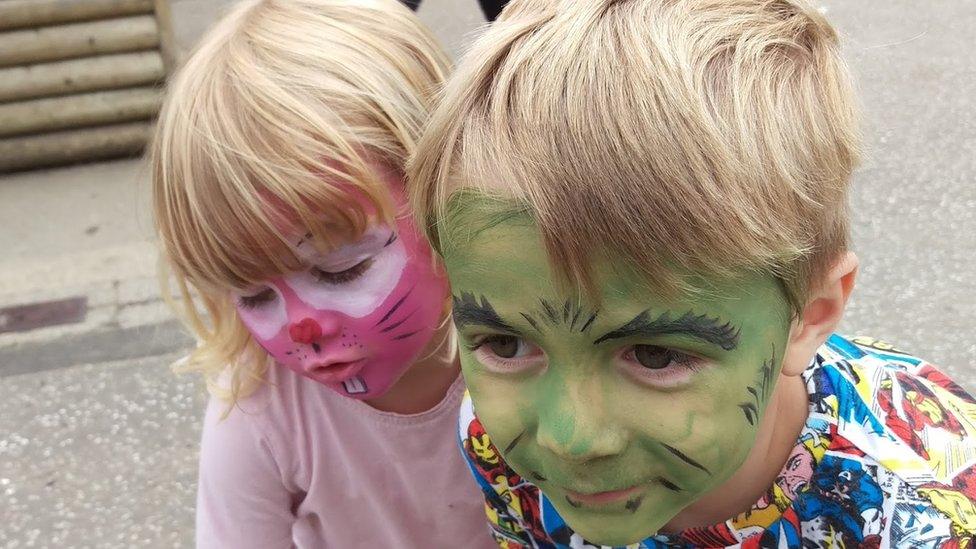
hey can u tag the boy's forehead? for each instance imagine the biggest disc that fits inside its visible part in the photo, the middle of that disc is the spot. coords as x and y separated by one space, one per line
469 214
493 248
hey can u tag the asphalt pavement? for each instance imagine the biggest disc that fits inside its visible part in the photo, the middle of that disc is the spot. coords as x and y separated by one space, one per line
98 439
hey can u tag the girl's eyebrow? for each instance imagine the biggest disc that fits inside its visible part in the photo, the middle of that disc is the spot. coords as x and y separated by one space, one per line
368 241
302 240
702 327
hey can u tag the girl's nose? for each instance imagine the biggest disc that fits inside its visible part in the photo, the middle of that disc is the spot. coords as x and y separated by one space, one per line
306 331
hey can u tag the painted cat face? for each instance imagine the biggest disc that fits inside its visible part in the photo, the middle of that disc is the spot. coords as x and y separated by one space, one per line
624 414
356 318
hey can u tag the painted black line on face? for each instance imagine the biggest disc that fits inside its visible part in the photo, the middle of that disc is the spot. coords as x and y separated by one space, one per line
531 321
684 457
394 308
514 442
568 316
302 240
467 310
759 390
702 327
576 315
394 326
549 310
589 322
573 503
405 336
633 504
669 485
537 476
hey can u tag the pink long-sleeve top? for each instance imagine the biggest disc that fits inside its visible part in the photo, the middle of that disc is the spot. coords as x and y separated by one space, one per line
297 465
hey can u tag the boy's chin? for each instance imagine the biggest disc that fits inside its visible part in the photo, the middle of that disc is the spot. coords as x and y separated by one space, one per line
615 529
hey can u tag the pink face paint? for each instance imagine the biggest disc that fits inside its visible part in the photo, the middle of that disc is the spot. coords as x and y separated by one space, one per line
358 317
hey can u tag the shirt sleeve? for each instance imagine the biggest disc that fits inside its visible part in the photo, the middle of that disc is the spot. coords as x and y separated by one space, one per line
492 475
241 499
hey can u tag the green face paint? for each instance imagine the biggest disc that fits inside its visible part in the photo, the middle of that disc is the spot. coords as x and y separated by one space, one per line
624 414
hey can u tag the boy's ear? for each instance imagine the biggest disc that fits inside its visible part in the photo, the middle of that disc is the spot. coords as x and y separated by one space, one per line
821 314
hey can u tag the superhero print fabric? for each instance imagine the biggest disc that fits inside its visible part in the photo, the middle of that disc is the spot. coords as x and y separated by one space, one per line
887 458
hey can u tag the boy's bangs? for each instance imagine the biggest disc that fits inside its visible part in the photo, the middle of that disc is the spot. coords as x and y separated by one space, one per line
598 126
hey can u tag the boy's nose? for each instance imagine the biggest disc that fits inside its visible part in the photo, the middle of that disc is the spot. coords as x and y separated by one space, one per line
306 331
578 428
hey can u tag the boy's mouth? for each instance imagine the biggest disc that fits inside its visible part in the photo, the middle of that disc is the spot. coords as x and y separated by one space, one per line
603 499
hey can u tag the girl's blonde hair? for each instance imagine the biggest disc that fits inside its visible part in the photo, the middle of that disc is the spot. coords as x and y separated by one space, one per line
271 125
706 136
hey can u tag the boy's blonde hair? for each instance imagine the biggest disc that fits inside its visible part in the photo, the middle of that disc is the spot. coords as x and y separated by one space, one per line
712 136
271 126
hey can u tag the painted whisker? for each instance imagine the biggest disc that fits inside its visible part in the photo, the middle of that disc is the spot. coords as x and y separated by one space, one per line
405 336
394 308
394 326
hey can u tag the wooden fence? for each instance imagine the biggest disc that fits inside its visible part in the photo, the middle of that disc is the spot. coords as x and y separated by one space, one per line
80 80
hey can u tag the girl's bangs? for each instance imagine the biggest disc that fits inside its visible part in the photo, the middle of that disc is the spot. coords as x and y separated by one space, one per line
236 236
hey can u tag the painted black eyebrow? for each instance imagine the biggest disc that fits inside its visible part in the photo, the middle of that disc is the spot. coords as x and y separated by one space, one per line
702 327
467 310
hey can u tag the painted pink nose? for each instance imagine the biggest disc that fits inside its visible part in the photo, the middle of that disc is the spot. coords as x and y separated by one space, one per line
305 331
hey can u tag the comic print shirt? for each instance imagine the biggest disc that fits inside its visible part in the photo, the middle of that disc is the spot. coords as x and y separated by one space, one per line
887 458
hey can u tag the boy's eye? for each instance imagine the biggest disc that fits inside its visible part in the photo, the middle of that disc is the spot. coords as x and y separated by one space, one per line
503 346
253 301
342 277
653 357
506 353
660 366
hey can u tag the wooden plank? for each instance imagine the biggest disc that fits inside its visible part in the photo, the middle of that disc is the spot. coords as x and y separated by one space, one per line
35 13
73 111
29 46
167 41
81 75
53 149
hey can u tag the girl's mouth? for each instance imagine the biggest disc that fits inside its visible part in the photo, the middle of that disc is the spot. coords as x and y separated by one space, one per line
332 373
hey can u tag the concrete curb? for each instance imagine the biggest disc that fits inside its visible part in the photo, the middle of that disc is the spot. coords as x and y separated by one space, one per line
95 346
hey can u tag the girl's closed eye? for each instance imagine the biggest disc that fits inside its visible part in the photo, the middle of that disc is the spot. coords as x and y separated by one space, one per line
344 276
260 298
660 366
506 353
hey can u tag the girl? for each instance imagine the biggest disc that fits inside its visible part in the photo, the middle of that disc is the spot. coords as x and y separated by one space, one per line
323 322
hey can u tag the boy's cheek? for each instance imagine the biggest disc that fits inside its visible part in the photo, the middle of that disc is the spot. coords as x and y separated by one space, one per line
497 402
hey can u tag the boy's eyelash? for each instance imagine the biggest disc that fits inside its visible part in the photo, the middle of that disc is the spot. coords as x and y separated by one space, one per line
479 342
342 277
476 344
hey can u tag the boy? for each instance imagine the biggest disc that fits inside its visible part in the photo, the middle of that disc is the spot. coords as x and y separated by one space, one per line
641 207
